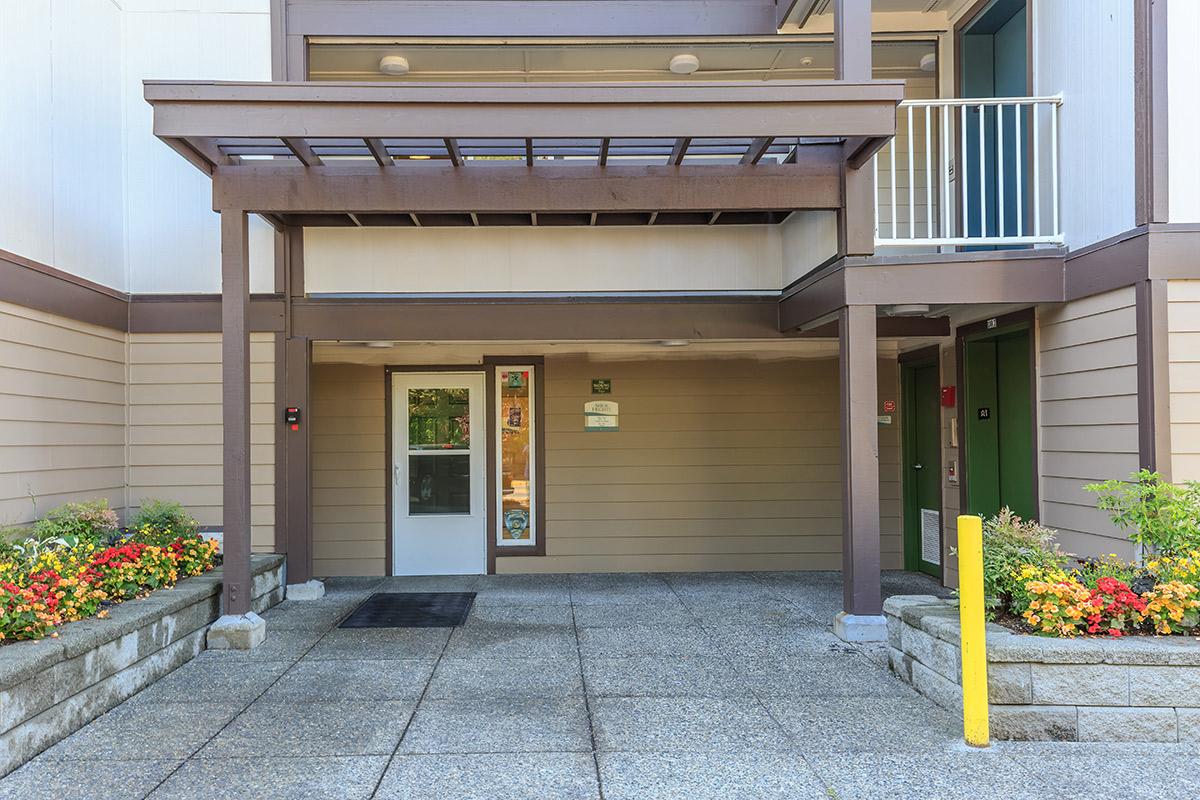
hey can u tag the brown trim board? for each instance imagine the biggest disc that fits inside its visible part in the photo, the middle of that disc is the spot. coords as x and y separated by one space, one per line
1151 153
1153 365
1013 276
34 285
198 313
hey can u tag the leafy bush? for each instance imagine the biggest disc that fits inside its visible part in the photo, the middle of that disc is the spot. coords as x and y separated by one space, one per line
160 522
1016 551
92 521
1162 517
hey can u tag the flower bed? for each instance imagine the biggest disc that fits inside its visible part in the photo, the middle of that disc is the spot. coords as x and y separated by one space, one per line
76 563
1086 688
1032 587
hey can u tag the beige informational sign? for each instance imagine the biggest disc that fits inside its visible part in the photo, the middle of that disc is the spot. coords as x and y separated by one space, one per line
600 415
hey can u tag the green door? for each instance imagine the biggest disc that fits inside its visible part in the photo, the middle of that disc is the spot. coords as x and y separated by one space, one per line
999 424
922 468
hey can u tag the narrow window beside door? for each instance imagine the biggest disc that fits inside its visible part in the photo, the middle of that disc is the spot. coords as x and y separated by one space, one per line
515 462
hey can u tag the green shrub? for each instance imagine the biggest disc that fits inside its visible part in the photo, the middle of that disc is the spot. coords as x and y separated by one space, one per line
1162 517
160 522
92 521
1014 552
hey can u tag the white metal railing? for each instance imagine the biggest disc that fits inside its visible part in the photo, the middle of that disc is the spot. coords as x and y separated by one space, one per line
970 171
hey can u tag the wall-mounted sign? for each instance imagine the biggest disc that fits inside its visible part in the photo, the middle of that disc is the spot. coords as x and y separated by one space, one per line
889 406
600 415
601 385
885 419
985 413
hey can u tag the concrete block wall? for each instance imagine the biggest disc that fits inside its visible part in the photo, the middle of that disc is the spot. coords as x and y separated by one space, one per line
1137 689
51 688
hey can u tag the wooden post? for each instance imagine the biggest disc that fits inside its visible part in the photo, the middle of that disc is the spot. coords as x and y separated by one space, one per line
852 40
235 409
852 62
298 519
860 462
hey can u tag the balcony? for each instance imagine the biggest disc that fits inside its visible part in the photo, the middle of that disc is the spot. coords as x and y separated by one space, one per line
970 173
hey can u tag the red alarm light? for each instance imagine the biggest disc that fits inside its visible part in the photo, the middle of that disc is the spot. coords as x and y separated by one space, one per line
949 397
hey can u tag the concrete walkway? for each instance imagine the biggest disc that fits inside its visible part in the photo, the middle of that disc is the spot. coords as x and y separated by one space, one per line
622 687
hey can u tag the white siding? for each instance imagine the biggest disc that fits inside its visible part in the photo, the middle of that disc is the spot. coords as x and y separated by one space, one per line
1183 119
87 187
1088 413
1084 49
542 259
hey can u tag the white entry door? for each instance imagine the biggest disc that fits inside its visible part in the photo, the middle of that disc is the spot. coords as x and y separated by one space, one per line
439 432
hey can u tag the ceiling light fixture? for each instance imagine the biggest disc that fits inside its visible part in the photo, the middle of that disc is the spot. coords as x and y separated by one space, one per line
929 62
674 343
807 61
684 64
393 65
908 310
378 344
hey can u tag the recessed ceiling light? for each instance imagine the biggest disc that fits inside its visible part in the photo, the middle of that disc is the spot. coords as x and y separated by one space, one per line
929 62
393 65
684 64
807 61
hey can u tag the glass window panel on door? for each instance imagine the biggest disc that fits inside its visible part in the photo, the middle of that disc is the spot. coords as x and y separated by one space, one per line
515 463
438 487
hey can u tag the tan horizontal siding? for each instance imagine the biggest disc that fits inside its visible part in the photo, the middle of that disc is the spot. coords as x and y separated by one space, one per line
729 464
1087 413
175 426
349 476
1183 325
62 413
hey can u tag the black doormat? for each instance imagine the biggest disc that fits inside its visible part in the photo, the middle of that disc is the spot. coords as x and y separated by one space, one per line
411 610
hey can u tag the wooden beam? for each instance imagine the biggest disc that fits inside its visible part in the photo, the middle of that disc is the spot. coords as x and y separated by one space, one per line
860 149
302 150
757 149
529 152
603 159
522 111
679 151
814 183
452 150
379 151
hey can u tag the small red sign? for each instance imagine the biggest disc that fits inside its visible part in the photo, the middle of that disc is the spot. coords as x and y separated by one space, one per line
889 406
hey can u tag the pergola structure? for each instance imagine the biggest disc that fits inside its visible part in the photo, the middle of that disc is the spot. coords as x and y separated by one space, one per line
322 154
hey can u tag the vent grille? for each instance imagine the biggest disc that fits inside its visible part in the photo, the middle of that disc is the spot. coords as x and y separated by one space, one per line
931 536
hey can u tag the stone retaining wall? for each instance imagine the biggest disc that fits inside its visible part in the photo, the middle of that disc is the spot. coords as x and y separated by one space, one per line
53 687
1136 689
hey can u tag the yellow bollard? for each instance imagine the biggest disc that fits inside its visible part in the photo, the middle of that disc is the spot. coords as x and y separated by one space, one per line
971 619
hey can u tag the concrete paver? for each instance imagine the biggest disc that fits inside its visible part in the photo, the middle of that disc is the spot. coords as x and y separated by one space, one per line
581 687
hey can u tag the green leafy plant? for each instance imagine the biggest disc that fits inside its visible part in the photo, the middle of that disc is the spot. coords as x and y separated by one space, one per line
160 522
1014 552
1161 517
91 521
